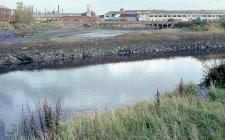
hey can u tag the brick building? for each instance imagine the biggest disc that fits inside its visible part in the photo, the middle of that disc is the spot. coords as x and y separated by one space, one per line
66 17
5 14
74 19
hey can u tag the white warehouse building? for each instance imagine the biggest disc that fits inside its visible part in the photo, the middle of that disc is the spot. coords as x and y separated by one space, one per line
180 15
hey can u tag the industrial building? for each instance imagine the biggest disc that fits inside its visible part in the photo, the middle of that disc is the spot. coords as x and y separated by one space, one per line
5 14
57 16
180 15
129 15
164 15
113 15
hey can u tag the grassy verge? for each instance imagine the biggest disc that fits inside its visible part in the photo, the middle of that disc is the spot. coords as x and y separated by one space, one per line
20 28
177 116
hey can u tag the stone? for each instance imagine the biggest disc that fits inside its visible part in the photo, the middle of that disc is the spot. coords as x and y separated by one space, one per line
201 93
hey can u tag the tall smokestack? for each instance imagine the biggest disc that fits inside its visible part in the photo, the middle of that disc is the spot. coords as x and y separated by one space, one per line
32 9
58 9
45 11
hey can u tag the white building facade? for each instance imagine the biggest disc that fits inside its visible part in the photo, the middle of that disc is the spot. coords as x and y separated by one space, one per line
182 15
113 16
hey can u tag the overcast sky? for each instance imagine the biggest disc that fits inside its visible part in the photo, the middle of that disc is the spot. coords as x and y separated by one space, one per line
102 6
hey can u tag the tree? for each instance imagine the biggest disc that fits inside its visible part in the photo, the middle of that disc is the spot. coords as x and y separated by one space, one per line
24 14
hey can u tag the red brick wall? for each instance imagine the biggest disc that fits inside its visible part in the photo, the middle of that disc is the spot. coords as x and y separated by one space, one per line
72 19
5 15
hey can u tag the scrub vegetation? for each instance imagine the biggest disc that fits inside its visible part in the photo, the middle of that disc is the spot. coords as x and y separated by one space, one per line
216 75
22 28
173 116
201 26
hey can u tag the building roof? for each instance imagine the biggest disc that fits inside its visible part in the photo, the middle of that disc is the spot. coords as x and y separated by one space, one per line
130 12
114 12
182 11
4 7
49 15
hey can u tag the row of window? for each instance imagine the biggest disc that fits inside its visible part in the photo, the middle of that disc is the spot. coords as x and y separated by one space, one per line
209 16
4 11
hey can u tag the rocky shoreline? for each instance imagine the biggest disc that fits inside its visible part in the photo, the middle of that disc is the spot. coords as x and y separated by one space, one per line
42 55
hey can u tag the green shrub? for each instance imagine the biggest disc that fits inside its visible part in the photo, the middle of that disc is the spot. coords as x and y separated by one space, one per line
223 24
196 25
215 76
217 94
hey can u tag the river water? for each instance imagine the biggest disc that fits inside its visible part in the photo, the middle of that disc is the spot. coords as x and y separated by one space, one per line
96 87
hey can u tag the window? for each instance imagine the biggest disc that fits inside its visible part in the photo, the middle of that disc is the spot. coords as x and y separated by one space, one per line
179 15
155 15
164 15
184 15
174 15
169 15
209 15
160 15
150 15
204 15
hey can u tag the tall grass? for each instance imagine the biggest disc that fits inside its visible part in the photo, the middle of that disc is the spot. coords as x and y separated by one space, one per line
176 117
42 124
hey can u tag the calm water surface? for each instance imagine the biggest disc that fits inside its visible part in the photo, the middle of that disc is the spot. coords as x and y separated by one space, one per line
96 87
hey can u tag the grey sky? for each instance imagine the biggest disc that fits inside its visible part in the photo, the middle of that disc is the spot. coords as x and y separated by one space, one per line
102 6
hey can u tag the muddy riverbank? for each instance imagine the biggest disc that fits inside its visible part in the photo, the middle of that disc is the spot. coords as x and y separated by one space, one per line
41 55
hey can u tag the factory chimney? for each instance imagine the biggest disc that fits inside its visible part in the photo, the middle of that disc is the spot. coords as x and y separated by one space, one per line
32 8
58 9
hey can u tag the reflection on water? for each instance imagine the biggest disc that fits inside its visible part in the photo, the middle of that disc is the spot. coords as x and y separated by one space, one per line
94 87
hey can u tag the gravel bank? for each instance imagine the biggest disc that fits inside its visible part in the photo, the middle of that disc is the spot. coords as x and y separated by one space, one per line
78 53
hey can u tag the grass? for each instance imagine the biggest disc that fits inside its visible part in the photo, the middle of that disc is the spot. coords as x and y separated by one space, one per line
217 94
177 117
21 28
42 124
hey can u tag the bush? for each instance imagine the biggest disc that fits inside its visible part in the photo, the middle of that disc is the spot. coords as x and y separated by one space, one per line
216 76
196 25
86 25
223 24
